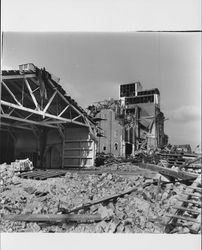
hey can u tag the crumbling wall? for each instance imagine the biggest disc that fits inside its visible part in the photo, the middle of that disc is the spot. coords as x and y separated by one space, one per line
112 142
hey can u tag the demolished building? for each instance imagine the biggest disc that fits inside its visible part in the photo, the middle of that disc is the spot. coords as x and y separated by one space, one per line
41 122
134 121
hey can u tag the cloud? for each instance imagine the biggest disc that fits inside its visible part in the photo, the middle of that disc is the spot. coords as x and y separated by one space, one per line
185 114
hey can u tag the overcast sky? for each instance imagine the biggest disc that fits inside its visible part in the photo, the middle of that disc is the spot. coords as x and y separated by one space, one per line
91 67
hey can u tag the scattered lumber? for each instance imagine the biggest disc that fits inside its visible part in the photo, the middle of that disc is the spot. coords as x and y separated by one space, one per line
190 201
54 217
198 189
182 218
186 165
112 197
169 172
105 199
197 225
192 194
187 209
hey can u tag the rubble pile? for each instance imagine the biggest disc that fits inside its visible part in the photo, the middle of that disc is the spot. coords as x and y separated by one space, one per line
106 159
141 210
8 172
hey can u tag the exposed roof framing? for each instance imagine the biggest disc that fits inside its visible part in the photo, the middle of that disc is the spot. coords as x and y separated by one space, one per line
35 98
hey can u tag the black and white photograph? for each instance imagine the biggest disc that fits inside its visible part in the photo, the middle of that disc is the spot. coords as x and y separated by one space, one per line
100 130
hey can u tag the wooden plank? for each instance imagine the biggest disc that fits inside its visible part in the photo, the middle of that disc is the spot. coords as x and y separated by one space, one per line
105 199
169 172
53 175
66 141
80 149
196 226
198 189
76 166
182 218
72 106
11 77
193 166
50 101
42 175
35 173
54 217
11 93
26 121
77 157
64 110
31 94
192 161
192 194
76 117
39 112
187 209
189 201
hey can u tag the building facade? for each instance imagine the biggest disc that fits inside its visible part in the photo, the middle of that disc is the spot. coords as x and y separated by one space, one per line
134 121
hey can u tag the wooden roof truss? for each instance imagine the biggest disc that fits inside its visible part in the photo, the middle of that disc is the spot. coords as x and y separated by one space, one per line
26 102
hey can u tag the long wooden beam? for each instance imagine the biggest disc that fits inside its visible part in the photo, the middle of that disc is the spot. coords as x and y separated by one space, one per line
26 121
76 117
105 199
54 217
64 110
26 94
169 172
37 112
41 113
14 125
61 95
11 93
182 218
11 77
49 102
32 95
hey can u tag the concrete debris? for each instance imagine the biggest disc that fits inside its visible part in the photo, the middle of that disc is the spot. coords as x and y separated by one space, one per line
8 172
142 210
106 159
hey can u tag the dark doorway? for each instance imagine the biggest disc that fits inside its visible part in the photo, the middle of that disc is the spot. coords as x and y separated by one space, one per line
129 149
7 151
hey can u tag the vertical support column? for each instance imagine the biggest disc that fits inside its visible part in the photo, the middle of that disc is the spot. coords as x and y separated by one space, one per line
80 160
42 140
123 142
133 140
62 135
128 134
138 127
63 152
110 131
93 152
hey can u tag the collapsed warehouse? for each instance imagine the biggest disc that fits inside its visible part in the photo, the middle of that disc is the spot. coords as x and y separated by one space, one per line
50 181
35 109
